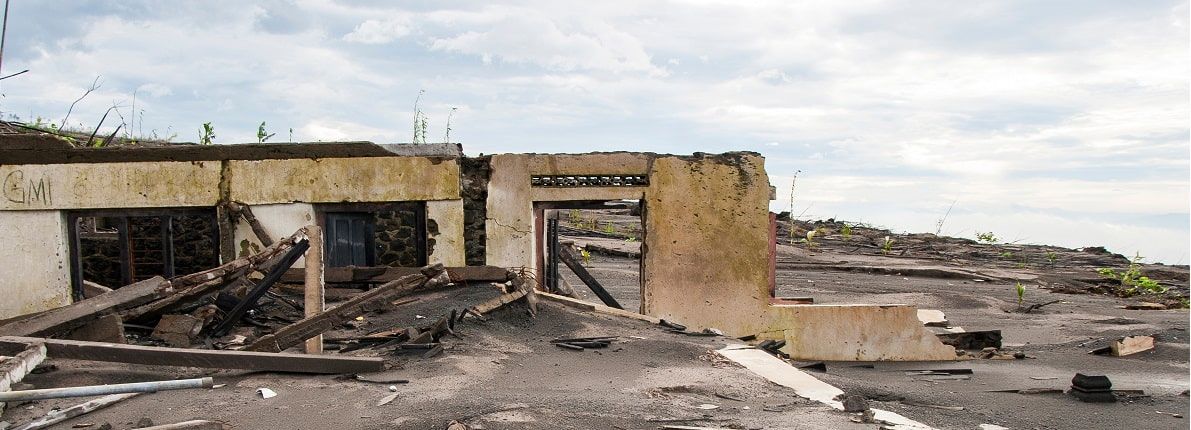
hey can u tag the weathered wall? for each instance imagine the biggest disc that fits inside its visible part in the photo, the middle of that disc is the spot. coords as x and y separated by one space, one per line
338 180
112 185
280 220
34 273
444 233
705 251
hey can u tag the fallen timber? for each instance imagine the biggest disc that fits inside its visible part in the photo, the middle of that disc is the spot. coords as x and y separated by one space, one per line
293 334
204 358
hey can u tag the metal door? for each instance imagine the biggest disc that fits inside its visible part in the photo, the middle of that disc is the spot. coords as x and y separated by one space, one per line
349 239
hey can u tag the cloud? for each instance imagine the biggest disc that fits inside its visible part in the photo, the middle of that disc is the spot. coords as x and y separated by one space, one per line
379 31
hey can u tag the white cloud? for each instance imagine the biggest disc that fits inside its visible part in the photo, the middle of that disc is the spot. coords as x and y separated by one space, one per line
379 31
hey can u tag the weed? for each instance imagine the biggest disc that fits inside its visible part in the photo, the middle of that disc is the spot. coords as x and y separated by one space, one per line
846 231
1006 255
1021 293
988 238
1132 277
575 217
609 228
262 135
631 239
810 238
208 134
586 256
1052 257
887 246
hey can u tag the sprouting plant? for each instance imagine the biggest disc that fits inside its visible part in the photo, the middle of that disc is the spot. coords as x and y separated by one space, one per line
609 228
846 231
988 238
887 246
631 239
810 238
262 135
586 256
208 134
575 217
1021 293
1133 278
447 138
1052 257
291 135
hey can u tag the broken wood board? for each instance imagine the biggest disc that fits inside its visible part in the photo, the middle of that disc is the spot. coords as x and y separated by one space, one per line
804 385
1126 346
189 425
497 302
108 328
380 275
211 359
377 298
58 415
91 289
597 308
177 330
59 320
572 262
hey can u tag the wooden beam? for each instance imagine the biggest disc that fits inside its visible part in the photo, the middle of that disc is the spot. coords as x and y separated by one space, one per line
597 308
59 320
291 256
56 416
380 275
245 212
315 302
205 358
569 259
376 298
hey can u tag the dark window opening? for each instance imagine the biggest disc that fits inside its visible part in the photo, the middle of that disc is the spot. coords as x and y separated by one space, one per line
375 234
116 248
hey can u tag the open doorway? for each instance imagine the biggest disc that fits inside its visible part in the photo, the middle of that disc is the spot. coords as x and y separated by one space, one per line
599 252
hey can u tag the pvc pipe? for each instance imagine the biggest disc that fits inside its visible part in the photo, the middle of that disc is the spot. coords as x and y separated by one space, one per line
99 390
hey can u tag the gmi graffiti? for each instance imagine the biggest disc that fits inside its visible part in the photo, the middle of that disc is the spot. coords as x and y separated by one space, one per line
18 190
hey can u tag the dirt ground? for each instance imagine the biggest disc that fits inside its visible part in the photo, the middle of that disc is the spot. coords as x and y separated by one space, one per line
974 284
503 373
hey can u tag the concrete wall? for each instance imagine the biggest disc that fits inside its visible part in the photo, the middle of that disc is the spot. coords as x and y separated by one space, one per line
337 180
280 220
444 225
34 269
110 185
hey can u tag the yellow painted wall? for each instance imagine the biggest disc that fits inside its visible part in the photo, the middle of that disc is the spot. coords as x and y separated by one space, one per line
109 185
335 180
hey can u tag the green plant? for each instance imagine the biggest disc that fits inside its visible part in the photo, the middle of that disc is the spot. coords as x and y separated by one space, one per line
609 228
887 246
631 239
262 135
1021 293
810 238
1052 257
988 238
1006 255
846 231
208 134
1132 277
586 256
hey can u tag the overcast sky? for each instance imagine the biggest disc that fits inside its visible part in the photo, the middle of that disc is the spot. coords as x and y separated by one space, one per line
1058 122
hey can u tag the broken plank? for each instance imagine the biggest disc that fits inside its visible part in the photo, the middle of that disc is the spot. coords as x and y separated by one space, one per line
569 259
291 256
189 425
211 359
380 275
497 302
597 308
108 328
1132 345
56 416
376 298
59 320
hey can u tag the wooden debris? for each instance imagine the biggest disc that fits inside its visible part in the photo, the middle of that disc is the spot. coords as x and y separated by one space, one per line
177 330
376 298
243 211
569 259
91 289
59 320
497 302
597 308
189 425
58 415
108 328
1145 306
1132 345
212 359
568 346
291 256
380 275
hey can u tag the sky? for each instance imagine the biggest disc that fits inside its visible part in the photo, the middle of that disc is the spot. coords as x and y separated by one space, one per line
1064 122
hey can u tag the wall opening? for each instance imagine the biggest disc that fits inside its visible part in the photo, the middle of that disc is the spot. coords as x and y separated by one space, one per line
118 247
375 234
606 237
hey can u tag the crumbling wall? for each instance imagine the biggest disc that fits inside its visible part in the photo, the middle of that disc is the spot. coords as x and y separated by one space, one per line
396 236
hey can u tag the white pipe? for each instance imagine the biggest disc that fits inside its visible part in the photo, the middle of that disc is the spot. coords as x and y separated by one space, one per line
99 390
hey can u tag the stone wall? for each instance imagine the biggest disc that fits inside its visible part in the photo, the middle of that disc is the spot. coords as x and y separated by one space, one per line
397 235
475 172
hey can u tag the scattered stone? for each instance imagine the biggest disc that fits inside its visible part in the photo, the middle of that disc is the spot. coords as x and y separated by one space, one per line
1145 306
144 422
854 403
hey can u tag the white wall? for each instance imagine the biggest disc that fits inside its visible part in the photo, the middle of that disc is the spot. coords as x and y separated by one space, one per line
34 266
280 221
